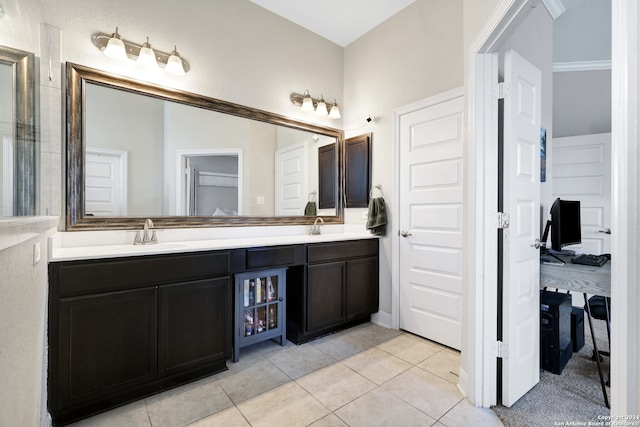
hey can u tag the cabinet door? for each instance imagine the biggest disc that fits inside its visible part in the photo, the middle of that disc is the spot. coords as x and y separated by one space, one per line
194 324
107 344
325 295
362 287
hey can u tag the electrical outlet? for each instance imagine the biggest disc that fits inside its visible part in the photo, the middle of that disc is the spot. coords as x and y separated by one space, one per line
36 253
260 200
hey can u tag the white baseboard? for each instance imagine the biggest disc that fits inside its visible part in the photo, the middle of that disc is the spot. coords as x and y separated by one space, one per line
383 319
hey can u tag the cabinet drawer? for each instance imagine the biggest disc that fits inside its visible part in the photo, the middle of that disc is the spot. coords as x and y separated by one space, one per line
338 251
276 256
83 277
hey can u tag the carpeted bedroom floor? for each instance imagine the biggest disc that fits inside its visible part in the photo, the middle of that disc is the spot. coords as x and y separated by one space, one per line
572 398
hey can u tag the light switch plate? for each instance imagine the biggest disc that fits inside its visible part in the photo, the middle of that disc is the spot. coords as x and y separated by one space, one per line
36 253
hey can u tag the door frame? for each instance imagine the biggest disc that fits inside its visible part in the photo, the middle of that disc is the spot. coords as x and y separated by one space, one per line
395 223
181 160
478 378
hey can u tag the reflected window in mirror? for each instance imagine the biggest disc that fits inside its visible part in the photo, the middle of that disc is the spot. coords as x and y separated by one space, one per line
140 152
18 133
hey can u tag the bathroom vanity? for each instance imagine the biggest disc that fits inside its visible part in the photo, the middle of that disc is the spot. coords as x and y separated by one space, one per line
125 323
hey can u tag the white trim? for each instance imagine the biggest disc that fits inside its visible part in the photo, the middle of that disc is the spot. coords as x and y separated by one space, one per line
181 165
395 223
560 67
482 201
625 182
555 8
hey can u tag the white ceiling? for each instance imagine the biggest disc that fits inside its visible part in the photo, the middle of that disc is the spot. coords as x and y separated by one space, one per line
341 21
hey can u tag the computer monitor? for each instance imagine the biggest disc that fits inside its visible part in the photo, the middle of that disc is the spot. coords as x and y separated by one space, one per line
564 224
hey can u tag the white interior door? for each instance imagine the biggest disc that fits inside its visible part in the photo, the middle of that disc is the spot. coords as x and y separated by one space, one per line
521 200
291 180
105 182
581 170
431 198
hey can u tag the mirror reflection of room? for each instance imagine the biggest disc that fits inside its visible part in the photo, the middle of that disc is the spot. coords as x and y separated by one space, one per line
146 157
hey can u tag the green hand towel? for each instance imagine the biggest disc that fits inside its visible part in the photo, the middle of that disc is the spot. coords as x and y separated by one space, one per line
310 209
377 218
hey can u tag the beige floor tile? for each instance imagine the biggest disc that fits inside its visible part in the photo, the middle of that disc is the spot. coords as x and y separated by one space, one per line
133 414
341 346
427 392
409 348
381 408
372 333
329 421
253 380
288 405
445 364
228 418
335 385
183 405
465 414
376 365
301 360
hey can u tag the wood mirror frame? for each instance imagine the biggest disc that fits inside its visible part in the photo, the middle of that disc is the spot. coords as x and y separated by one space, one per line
77 76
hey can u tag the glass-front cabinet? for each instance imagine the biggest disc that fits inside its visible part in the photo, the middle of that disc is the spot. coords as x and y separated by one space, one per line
260 308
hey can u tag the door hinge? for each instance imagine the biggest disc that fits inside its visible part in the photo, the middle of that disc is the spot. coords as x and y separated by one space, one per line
502 90
502 350
502 220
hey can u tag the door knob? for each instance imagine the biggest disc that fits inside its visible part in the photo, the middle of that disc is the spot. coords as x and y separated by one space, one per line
405 233
605 231
537 244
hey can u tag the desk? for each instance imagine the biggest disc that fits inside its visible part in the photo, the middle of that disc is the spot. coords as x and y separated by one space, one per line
587 280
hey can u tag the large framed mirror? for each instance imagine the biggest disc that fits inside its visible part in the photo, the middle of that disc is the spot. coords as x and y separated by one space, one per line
18 133
137 150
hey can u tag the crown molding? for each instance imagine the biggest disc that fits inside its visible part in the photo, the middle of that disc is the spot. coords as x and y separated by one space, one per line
604 64
555 7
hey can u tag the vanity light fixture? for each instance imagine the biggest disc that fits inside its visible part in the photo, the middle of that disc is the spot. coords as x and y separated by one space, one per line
147 56
115 47
307 103
334 111
321 107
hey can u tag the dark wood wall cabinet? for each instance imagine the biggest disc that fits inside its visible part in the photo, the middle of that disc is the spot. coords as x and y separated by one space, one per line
121 329
357 166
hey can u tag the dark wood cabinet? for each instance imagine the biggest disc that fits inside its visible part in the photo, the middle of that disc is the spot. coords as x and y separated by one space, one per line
325 296
192 325
107 345
341 289
362 290
357 171
121 329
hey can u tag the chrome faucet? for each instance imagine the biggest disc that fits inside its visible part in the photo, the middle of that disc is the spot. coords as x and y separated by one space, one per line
315 228
146 238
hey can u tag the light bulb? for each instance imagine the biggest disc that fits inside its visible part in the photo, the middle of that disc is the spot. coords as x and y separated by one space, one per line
147 56
321 108
334 112
115 47
307 102
174 64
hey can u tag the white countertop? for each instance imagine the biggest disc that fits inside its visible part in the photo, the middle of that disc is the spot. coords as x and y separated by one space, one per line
113 244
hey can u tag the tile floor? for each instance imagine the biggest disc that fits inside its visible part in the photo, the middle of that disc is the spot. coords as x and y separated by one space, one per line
365 376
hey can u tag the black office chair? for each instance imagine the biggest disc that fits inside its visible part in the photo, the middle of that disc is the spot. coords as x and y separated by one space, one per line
600 308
